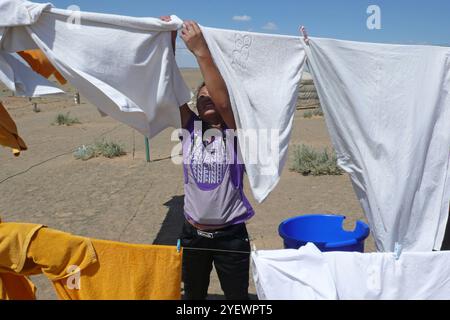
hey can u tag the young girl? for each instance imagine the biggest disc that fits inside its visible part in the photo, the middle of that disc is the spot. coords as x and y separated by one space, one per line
215 206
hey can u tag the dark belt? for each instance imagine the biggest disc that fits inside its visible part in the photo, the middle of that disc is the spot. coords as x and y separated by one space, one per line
225 232
204 234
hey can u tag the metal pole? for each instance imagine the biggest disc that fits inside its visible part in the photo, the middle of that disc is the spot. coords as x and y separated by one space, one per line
134 143
76 98
147 149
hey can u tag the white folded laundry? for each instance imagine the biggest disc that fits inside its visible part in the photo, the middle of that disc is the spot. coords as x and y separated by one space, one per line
309 274
292 275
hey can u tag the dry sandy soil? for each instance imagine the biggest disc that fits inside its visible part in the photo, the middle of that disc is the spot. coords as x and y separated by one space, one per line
128 199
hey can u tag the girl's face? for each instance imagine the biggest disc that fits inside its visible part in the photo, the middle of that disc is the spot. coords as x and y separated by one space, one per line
206 109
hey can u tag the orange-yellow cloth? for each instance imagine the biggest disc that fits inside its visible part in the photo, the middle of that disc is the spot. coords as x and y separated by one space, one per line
16 287
39 63
15 239
21 255
14 242
128 272
9 136
85 269
54 252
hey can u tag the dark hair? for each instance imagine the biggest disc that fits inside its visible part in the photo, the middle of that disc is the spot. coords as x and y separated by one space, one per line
200 87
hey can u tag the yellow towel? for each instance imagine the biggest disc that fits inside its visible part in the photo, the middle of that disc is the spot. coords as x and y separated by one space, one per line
127 272
39 63
16 287
14 242
22 255
54 252
85 269
9 136
15 239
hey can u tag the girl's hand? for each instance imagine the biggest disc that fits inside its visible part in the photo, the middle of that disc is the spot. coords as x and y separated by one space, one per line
174 33
193 37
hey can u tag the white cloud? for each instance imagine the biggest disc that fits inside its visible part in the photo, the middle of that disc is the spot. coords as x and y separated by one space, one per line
243 18
270 26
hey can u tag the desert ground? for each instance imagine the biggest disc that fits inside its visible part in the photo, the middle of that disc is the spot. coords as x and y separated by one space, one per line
127 199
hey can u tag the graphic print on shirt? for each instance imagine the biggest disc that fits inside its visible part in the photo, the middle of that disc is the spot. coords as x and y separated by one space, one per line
208 162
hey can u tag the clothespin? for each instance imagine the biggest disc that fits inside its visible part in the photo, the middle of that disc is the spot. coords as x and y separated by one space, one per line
178 245
305 34
254 249
398 250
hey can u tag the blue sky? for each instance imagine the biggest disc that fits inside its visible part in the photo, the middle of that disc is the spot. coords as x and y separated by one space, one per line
402 21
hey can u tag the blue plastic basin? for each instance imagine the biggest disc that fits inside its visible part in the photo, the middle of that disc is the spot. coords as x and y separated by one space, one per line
325 231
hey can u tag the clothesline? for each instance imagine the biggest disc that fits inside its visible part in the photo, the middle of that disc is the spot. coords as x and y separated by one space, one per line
215 250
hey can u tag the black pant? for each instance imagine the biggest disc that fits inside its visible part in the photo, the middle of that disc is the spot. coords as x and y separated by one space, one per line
232 268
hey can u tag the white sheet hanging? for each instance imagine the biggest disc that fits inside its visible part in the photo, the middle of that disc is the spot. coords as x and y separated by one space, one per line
262 73
20 12
124 66
387 109
309 274
19 78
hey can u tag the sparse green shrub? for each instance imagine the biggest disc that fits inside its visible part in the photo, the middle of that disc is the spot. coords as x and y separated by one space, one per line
103 148
318 113
308 161
65 120
308 115
109 149
84 153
